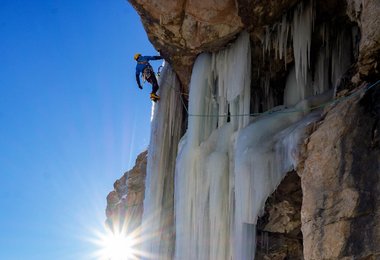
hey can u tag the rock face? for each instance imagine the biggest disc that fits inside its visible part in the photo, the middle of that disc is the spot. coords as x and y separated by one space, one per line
366 14
125 202
341 205
279 229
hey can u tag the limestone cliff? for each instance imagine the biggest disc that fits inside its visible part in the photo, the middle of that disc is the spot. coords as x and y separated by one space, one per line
125 202
341 206
328 207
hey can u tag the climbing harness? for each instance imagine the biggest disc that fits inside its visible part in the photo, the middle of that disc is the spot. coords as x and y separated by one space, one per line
148 71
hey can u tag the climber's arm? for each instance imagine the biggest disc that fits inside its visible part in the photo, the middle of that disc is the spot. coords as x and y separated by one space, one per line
154 57
138 79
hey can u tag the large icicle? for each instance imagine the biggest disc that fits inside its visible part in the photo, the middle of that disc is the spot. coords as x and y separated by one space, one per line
157 233
277 38
231 69
302 28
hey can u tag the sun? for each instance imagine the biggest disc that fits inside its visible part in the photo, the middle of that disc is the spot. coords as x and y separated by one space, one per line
122 242
116 246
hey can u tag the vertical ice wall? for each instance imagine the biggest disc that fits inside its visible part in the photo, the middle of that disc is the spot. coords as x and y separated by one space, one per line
219 105
157 234
227 166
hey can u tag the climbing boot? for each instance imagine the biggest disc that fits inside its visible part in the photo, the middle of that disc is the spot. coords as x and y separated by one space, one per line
154 97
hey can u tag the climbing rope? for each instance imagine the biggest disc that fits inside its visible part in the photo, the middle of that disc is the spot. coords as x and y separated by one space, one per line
281 111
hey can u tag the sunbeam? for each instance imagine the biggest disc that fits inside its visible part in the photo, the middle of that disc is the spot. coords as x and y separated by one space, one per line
119 243
115 245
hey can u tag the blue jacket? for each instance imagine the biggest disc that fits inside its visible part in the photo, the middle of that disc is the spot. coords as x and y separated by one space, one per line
142 63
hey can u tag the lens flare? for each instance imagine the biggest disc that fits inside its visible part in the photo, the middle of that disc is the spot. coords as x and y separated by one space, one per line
116 246
125 240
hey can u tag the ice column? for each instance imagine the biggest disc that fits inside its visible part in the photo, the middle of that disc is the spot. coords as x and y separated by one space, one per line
166 127
219 89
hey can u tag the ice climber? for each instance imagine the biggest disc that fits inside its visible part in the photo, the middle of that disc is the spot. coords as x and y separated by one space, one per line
147 72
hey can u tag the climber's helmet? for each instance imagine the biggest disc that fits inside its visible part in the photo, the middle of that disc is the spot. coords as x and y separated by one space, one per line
137 55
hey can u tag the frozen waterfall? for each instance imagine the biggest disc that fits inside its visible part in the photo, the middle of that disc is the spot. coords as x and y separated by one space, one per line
166 128
228 163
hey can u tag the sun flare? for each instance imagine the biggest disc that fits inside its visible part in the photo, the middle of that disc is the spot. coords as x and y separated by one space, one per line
123 241
116 246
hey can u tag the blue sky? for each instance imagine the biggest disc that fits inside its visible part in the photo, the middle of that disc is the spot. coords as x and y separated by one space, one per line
72 120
